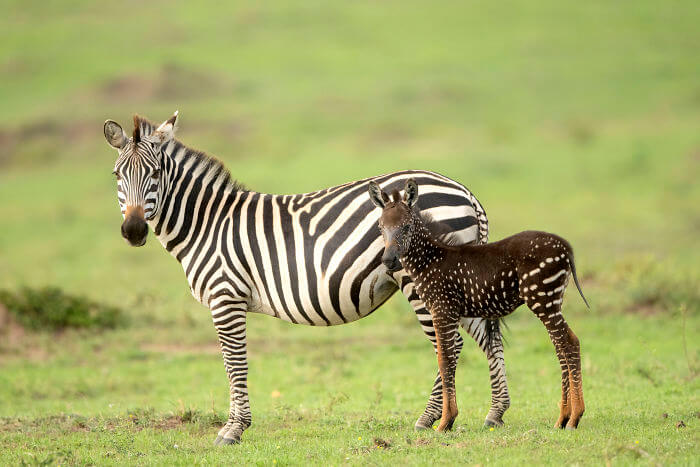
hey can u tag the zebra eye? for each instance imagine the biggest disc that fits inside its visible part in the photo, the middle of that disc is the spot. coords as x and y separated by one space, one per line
116 174
156 174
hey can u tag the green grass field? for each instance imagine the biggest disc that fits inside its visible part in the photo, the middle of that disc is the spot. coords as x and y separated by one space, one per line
581 119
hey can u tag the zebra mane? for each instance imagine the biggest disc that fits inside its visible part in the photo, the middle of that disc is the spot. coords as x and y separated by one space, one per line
142 127
137 129
213 166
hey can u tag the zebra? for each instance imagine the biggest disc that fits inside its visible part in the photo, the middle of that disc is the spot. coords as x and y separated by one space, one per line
312 258
486 281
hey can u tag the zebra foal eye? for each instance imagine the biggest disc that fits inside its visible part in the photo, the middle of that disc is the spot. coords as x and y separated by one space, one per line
156 174
116 174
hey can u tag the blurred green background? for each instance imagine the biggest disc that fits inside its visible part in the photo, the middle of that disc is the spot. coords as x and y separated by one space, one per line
579 118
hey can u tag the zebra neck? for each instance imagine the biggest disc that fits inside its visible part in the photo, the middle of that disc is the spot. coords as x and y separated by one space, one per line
422 251
196 191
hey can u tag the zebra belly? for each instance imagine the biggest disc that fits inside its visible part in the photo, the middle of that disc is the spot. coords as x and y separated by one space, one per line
375 290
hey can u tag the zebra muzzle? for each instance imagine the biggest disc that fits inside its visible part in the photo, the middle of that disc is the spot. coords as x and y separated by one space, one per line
134 228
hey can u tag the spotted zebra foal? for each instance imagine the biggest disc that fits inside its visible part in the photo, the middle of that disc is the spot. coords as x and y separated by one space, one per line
484 281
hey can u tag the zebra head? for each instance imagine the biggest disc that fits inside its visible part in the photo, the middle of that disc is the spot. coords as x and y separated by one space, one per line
396 222
138 171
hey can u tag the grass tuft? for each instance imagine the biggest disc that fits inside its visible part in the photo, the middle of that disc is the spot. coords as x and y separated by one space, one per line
50 308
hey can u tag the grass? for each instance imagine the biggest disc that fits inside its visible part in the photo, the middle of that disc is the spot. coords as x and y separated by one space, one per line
153 395
579 119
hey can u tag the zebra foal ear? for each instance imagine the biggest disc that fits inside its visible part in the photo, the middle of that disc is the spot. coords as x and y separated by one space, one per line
378 197
166 131
410 195
114 134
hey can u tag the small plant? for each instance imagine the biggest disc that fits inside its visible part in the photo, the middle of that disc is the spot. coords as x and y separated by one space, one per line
50 308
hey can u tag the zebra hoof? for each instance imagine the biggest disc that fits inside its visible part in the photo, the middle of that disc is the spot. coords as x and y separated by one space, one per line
488 423
425 422
222 441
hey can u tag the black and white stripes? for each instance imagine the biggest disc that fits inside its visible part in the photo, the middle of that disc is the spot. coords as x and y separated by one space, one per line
311 258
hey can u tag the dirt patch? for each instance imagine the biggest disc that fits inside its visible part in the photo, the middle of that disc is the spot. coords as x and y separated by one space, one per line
170 82
38 139
646 308
11 331
581 132
168 423
11 138
381 443
133 87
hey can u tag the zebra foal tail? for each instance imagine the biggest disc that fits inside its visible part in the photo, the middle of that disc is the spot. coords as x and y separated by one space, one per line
578 286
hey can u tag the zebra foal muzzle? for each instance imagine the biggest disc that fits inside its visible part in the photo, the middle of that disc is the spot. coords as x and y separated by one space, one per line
134 228
390 259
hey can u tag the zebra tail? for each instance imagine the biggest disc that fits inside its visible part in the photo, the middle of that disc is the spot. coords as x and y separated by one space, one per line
578 286
493 332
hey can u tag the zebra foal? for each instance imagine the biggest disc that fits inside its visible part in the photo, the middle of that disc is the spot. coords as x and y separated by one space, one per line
312 258
484 281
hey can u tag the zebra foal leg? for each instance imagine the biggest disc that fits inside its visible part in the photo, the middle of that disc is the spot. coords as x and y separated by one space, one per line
477 329
230 321
575 379
447 362
566 344
433 409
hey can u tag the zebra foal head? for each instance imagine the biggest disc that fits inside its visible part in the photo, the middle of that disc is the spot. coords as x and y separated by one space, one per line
396 221
138 172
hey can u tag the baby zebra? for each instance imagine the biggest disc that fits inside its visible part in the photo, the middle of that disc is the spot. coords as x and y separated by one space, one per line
484 281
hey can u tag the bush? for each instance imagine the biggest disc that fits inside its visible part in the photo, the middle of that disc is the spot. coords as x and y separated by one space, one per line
49 308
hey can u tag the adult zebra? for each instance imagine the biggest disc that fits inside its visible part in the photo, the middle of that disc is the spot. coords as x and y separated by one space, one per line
311 258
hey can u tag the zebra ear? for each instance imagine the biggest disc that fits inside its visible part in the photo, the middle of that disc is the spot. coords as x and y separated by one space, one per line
378 197
410 195
166 131
114 134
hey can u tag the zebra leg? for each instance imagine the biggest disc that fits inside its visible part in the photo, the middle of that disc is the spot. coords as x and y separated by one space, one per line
433 410
487 334
230 321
